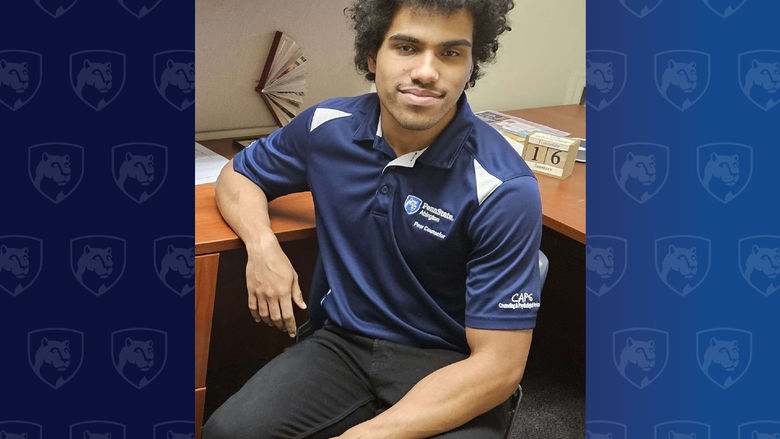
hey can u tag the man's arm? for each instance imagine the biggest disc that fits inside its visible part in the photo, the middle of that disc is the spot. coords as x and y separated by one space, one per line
272 283
455 394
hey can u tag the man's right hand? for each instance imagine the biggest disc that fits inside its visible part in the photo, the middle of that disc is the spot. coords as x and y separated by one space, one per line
272 286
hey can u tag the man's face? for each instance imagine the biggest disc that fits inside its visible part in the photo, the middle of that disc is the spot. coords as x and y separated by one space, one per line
422 67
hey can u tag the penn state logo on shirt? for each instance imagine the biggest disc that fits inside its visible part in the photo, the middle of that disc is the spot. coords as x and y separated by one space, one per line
682 429
605 430
55 354
174 430
412 204
21 258
139 354
97 429
21 429
20 77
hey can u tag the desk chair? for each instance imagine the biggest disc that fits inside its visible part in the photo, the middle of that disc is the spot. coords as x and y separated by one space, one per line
319 287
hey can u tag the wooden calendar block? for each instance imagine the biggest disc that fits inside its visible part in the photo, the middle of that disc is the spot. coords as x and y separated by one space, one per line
549 154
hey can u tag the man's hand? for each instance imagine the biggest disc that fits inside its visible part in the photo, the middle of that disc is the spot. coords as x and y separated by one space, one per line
272 286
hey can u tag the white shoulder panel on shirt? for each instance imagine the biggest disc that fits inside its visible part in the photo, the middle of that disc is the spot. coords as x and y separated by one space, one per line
486 182
322 115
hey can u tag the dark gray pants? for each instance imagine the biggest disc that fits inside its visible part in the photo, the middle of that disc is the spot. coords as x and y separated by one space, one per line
331 381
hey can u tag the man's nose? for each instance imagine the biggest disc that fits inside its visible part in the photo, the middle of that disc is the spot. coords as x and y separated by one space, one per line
426 69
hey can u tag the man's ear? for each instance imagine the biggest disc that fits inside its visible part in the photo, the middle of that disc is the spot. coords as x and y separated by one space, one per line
371 65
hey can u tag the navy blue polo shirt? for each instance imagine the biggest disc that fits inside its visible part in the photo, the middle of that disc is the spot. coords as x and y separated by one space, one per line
417 247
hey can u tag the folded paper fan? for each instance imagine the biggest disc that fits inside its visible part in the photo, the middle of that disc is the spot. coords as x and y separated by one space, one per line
283 81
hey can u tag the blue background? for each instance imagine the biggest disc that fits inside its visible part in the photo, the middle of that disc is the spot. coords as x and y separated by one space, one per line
97 207
683 207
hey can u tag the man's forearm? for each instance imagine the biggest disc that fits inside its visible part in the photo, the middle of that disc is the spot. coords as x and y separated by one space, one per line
446 399
243 205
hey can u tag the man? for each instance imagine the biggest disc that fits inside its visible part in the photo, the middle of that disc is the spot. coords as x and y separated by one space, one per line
428 225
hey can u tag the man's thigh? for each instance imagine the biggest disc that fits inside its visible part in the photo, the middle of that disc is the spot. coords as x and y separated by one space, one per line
315 386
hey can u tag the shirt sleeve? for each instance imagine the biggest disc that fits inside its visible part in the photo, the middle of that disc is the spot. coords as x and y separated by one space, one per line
277 163
503 284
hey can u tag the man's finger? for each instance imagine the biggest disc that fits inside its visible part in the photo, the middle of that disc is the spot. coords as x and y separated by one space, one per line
262 310
276 314
288 317
297 295
253 307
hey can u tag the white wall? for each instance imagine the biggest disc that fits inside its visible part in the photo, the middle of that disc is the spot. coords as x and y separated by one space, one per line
541 61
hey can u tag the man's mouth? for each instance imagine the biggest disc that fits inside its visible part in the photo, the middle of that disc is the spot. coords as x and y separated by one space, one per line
420 96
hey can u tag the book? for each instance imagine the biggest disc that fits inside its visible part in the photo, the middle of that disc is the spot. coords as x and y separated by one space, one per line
282 84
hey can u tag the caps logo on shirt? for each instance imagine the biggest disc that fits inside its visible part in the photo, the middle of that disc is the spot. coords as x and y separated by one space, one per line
412 204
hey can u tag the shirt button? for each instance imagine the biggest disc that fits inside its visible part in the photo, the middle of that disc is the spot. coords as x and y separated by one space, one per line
384 190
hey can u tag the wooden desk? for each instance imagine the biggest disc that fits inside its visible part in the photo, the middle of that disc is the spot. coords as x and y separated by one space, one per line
292 218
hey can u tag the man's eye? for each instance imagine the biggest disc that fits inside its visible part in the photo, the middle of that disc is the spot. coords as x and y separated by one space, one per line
451 53
405 49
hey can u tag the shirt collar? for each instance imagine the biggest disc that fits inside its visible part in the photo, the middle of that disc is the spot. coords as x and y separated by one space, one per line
444 149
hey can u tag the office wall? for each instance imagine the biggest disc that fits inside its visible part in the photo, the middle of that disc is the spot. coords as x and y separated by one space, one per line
541 62
232 38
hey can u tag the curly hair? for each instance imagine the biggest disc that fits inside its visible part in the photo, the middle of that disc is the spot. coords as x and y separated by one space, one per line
372 18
